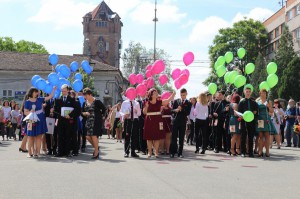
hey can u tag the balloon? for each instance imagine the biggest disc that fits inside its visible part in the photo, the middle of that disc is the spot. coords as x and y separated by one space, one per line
158 67
40 84
249 68
241 53
132 79
176 73
165 95
53 78
63 81
84 63
65 71
163 79
78 76
249 86
264 85
272 68
53 59
272 80
188 58
185 71
48 88
148 73
77 85
217 65
232 76
57 94
149 67
88 70
228 57
177 83
81 100
248 116
239 81
33 80
131 93
212 88
150 82
74 66
183 79
139 78
57 68
227 77
221 61
221 71
141 90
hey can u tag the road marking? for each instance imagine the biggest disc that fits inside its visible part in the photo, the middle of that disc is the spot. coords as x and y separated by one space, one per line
209 167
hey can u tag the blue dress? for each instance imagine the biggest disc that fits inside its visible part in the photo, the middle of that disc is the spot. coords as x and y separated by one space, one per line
39 127
234 124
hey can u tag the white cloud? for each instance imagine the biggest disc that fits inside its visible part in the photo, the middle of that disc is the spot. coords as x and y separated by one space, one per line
259 14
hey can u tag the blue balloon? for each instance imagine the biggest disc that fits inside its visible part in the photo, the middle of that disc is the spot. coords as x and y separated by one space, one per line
57 94
48 89
57 68
61 82
53 59
88 70
74 66
77 85
40 84
65 71
33 80
53 78
81 100
85 63
78 76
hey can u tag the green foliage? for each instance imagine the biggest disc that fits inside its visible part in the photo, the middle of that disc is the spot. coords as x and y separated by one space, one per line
8 44
259 75
289 88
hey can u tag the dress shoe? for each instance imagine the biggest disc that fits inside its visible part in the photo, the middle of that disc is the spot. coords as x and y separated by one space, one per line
180 156
82 149
54 152
243 155
172 155
23 151
134 155
251 156
197 151
58 155
202 152
288 145
216 151
126 155
49 153
75 154
143 152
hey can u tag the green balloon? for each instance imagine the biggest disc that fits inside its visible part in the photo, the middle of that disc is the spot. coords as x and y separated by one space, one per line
272 80
221 71
227 77
212 88
232 76
248 116
272 68
249 86
239 81
249 68
228 57
241 53
264 85
221 61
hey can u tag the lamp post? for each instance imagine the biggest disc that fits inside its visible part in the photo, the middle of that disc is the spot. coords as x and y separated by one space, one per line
155 21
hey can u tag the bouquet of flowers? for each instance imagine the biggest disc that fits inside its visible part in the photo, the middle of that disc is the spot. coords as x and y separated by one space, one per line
7 123
31 117
297 128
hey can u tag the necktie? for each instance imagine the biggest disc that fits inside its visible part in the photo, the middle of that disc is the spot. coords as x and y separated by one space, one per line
64 99
131 110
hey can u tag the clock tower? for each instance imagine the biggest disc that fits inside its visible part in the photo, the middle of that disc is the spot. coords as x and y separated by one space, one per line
102 35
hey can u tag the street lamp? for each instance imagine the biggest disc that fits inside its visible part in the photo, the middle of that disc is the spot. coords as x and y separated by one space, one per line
155 21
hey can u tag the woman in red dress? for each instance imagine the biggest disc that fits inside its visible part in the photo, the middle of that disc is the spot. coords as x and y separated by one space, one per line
166 141
154 126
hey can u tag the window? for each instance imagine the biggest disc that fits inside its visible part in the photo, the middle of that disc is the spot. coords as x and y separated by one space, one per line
290 14
297 9
277 32
101 23
276 44
271 36
271 47
7 93
297 33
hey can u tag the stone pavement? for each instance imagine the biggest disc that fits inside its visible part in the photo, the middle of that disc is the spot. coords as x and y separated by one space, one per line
112 176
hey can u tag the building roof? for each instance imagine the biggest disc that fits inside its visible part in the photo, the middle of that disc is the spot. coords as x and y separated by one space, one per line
104 8
15 61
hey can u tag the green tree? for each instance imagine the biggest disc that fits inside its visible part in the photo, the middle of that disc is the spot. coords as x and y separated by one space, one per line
137 57
259 75
8 44
249 34
289 88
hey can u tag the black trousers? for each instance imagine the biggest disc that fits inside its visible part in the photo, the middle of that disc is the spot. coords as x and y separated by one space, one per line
227 137
74 139
178 131
131 135
49 142
192 132
201 134
142 145
247 131
220 132
64 136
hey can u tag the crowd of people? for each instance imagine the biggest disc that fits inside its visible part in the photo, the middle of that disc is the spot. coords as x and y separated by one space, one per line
150 125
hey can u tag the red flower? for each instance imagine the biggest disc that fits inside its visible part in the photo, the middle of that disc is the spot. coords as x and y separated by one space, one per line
239 119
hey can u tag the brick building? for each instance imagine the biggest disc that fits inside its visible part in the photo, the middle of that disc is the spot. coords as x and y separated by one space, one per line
289 14
102 35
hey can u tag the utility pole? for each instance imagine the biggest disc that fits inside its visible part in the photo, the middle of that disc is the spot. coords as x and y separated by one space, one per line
155 21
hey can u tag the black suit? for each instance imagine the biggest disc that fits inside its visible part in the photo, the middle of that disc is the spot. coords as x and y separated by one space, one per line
66 127
142 146
179 124
51 146
219 108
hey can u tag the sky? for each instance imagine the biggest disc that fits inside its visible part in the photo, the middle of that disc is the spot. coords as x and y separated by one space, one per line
184 25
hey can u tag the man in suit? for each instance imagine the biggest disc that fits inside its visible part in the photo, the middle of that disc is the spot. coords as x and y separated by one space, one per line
142 146
181 109
49 112
66 125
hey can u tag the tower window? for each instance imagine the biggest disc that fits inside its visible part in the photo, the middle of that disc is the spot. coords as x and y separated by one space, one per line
101 24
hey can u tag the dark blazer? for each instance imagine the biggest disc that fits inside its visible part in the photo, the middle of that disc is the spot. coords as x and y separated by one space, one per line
186 106
70 102
219 108
49 105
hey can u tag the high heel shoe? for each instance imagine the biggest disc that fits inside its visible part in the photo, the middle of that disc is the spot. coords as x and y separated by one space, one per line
260 155
267 155
23 151
231 152
96 157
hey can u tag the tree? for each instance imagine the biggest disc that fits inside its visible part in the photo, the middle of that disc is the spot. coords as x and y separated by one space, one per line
259 75
137 57
249 34
8 44
289 88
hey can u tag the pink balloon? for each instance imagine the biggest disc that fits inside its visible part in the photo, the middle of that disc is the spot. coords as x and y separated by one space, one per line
139 78
165 95
144 82
150 82
177 83
132 79
131 93
149 67
163 79
141 90
185 71
188 58
158 67
183 79
148 73
176 73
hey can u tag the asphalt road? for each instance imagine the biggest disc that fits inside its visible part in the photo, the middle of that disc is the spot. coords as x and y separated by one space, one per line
112 176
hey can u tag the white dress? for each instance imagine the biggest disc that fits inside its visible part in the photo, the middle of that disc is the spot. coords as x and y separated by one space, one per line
277 119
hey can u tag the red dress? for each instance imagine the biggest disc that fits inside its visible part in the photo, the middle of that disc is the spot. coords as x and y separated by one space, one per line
153 126
166 115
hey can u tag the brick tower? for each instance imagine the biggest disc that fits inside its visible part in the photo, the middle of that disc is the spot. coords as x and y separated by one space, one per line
102 35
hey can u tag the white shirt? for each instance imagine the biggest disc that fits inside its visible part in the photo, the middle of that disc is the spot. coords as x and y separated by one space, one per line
126 109
201 111
192 114
118 115
6 111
